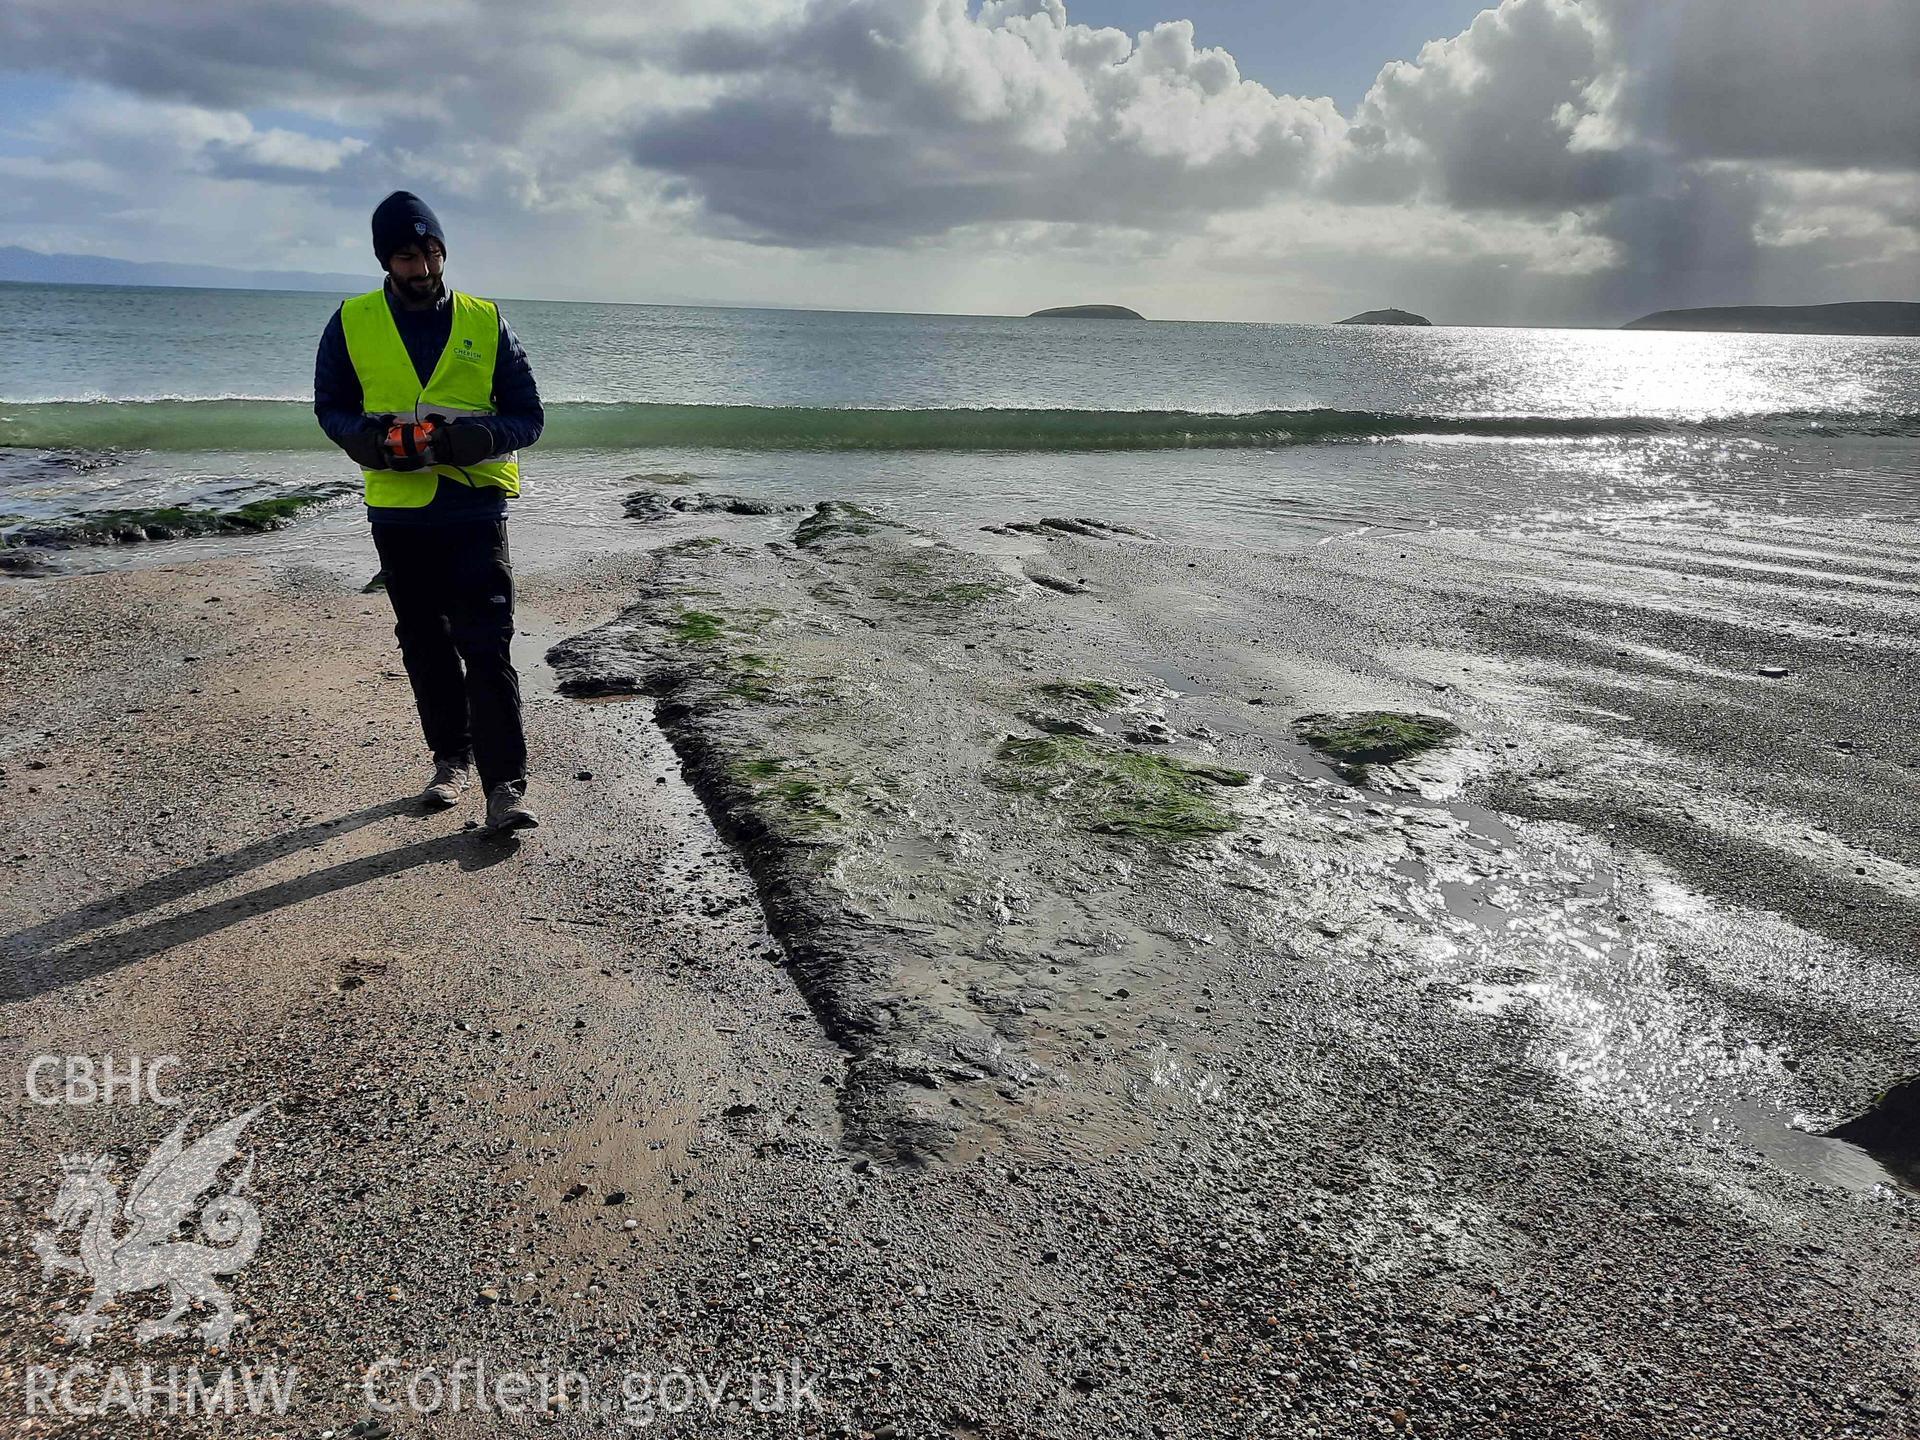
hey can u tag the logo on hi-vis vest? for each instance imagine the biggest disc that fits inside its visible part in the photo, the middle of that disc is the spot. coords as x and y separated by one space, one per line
467 353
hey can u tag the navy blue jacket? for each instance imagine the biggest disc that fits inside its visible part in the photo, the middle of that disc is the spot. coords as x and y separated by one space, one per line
516 422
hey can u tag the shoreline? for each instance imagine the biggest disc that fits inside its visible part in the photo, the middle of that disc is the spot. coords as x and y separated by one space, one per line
1126 1119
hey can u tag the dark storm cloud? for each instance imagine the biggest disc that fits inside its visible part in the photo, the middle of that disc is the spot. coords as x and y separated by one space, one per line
1829 84
775 166
1684 237
1672 128
483 71
775 169
1561 102
201 53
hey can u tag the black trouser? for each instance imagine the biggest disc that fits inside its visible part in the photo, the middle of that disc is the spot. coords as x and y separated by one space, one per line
452 592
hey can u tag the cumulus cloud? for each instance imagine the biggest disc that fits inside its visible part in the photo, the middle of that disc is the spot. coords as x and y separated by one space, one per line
119 137
1640 136
879 121
282 154
1487 119
478 94
1623 153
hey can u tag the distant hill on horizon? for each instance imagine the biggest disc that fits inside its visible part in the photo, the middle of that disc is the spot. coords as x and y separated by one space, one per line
1087 312
38 267
1853 317
1385 317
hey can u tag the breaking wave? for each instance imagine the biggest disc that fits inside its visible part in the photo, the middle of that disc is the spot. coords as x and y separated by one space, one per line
256 425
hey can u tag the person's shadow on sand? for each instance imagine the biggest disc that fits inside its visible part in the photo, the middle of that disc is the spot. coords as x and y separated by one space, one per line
37 963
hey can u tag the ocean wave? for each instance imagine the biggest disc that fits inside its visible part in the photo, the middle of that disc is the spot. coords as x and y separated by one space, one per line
264 425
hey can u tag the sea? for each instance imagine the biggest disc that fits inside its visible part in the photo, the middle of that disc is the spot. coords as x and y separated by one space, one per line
1240 434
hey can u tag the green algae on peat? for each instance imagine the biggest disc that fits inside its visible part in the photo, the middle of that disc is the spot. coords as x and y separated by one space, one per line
1374 737
1123 792
1101 695
698 627
835 520
168 522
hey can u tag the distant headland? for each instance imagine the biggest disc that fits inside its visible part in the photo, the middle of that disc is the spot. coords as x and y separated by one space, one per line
1087 312
1857 317
1386 317
36 267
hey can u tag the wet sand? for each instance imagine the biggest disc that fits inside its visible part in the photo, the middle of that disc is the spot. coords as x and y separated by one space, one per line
1018 1056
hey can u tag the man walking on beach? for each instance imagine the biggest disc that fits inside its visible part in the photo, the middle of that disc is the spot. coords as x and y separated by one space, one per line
430 392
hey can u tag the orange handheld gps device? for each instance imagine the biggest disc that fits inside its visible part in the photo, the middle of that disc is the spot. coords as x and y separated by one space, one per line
411 439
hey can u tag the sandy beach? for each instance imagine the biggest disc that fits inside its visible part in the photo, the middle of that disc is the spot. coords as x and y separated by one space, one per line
944 974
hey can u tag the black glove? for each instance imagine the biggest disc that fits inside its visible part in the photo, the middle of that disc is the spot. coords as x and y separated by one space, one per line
464 442
366 449
369 449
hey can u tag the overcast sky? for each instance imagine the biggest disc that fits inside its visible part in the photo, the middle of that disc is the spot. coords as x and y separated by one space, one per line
1546 160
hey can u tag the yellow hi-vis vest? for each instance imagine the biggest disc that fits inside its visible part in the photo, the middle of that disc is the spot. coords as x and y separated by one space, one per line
461 385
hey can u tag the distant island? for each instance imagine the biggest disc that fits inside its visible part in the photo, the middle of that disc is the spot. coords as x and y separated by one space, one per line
1386 317
1087 312
1858 317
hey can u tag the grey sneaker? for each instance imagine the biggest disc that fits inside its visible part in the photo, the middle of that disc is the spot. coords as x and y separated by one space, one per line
507 807
444 789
